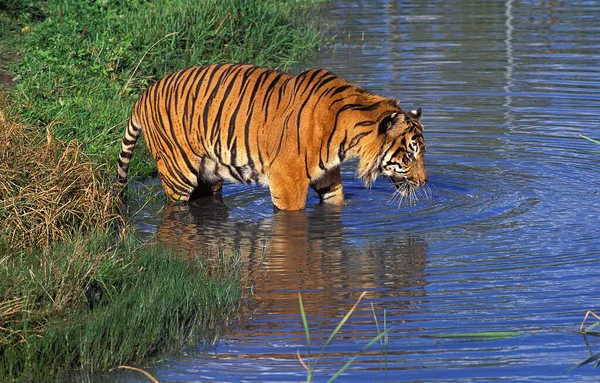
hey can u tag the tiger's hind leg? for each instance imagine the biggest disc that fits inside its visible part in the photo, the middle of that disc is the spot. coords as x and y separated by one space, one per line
177 185
175 192
329 187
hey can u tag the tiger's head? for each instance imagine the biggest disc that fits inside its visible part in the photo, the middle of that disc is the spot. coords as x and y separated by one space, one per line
397 152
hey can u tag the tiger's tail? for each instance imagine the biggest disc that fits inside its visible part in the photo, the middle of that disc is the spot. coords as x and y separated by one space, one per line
132 133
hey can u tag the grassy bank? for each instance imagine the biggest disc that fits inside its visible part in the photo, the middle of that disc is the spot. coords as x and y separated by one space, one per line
91 304
75 292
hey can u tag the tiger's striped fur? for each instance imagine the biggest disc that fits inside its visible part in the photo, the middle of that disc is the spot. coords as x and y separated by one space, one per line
251 124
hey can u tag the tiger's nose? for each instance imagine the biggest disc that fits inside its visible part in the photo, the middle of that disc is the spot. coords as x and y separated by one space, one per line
423 182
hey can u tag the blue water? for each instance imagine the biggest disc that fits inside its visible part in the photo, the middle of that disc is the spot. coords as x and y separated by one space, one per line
508 239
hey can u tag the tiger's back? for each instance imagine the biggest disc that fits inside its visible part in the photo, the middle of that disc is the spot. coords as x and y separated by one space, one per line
251 124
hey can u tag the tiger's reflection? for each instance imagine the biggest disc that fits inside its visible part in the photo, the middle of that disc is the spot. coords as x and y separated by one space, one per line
303 251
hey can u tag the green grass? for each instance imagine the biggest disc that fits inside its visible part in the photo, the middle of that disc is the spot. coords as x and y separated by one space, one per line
89 304
87 61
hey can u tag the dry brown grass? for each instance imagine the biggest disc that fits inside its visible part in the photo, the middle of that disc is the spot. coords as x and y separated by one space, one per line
49 189
10 310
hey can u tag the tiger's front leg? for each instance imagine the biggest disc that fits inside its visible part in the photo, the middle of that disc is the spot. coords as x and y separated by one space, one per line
288 190
329 187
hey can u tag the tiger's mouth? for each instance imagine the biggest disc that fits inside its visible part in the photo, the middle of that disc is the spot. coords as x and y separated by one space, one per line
409 190
406 186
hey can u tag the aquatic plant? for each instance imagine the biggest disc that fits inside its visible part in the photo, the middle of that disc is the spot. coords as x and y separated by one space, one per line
384 339
589 330
310 367
590 139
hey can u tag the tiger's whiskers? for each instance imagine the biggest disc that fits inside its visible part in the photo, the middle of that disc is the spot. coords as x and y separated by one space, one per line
409 193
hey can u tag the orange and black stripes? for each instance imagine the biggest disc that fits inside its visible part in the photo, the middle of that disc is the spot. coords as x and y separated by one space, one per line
254 125
128 143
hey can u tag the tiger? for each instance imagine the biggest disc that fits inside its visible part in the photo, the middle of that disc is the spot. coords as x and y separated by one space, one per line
254 125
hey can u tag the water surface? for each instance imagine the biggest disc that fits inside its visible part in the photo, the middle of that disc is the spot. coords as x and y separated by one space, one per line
507 241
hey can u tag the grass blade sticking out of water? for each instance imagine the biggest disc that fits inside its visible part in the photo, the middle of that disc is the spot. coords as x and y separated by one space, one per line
590 139
384 343
345 318
595 358
310 369
375 318
304 322
348 363
341 370
478 335
377 338
587 331
590 329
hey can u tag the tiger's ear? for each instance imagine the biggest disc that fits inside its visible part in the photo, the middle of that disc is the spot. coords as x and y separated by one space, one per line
416 114
390 120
